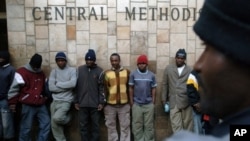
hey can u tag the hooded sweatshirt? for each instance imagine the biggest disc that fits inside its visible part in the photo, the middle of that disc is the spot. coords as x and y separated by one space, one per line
27 86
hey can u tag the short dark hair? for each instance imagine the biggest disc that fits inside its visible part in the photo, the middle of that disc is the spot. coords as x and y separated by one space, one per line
115 54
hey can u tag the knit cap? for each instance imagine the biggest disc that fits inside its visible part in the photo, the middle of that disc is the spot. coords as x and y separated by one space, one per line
90 55
6 56
36 61
142 59
225 25
61 55
181 53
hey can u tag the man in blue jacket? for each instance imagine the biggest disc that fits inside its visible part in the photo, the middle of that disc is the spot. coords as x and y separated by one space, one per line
7 73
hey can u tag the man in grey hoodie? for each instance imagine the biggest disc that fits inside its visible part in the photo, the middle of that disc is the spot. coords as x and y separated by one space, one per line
62 81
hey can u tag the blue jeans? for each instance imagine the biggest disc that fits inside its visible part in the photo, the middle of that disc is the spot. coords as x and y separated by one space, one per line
6 121
89 117
28 115
197 123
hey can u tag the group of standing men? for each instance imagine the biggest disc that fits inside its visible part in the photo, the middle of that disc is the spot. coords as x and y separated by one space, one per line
115 91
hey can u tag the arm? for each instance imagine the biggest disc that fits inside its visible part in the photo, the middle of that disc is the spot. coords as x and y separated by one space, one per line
76 98
192 91
13 92
131 95
164 93
68 84
76 95
153 91
101 97
131 89
52 83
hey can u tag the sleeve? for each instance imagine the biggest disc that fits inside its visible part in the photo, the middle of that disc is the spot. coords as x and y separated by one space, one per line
192 90
76 96
165 85
69 84
154 83
52 83
131 79
102 99
13 92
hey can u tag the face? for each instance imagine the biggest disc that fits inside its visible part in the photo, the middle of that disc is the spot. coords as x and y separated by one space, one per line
223 84
61 63
180 61
142 67
2 61
115 61
90 63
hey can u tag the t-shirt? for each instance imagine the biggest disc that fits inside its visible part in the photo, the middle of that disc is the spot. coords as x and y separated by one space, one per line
143 82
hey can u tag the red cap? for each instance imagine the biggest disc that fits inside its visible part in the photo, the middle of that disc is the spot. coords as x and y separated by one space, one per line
142 59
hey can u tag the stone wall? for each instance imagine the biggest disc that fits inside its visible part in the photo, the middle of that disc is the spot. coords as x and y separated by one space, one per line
157 28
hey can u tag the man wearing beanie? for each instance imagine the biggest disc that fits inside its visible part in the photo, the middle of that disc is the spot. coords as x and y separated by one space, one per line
89 98
27 89
142 90
7 73
174 90
223 67
62 81
117 93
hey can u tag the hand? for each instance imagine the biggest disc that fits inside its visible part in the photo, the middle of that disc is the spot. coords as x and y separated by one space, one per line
13 107
163 103
100 107
77 106
197 107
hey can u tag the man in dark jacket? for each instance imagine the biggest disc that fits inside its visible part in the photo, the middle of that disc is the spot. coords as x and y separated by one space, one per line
7 73
27 88
89 98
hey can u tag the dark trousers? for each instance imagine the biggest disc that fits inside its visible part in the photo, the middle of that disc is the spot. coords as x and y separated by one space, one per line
89 123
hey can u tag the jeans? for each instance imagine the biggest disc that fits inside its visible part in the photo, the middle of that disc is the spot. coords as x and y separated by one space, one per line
197 123
89 117
6 121
28 115
59 117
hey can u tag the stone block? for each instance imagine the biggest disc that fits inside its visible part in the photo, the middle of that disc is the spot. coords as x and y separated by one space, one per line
163 49
163 36
123 32
177 41
82 37
16 25
57 41
17 38
123 46
71 32
42 45
42 32
139 43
